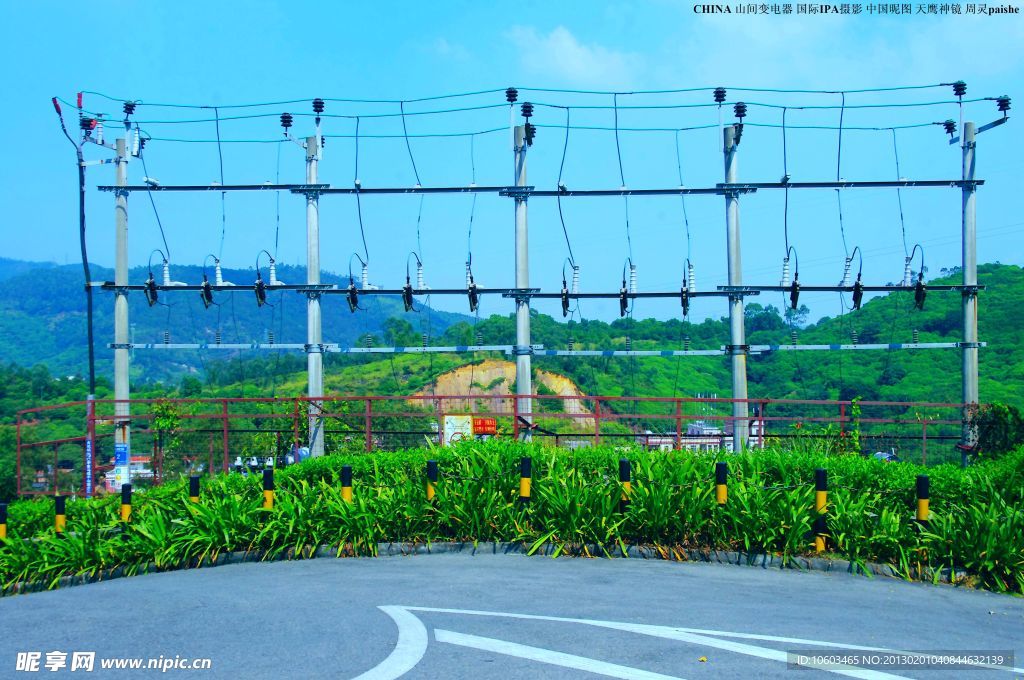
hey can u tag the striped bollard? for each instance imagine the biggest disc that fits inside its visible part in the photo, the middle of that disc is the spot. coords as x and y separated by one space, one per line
627 484
431 480
126 503
346 483
3 521
193 488
923 513
820 508
268 489
60 518
721 483
525 479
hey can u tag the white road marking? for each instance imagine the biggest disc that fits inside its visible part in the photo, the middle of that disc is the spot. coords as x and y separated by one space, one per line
412 645
680 635
548 656
698 631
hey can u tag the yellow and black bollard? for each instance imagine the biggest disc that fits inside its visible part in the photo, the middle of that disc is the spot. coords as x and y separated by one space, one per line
431 480
922 500
627 484
3 521
268 489
525 479
820 508
60 517
346 483
193 488
721 482
126 503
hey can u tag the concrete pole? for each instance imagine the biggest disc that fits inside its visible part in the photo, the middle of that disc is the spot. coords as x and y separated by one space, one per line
122 411
523 350
970 297
737 333
314 335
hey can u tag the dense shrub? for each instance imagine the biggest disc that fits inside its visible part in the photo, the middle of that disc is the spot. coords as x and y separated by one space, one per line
977 521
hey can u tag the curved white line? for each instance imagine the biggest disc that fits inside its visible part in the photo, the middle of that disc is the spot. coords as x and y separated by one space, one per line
682 635
411 646
695 631
548 656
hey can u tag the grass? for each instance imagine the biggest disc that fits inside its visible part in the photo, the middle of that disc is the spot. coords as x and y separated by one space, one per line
977 523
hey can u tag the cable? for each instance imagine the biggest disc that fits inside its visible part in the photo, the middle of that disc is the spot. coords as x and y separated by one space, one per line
86 270
561 167
899 196
277 202
686 219
359 202
650 107
295 101
686 222
741 89
408 146
785 178
622 176
527 89
839 197
152 202
223 194
257 116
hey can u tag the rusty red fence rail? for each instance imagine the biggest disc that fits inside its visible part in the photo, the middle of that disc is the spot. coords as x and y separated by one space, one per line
220 434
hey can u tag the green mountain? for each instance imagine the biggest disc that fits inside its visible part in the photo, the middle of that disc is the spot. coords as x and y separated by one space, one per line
897 375
37 326
43 320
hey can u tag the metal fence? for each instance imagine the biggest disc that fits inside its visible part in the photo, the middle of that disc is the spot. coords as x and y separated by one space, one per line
171 437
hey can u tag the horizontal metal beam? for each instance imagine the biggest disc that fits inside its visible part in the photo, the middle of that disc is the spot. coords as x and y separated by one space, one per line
398 291
631 296
843 289
621 191
897 345
331 348
246 287
628 353
267 186
904 183
470 189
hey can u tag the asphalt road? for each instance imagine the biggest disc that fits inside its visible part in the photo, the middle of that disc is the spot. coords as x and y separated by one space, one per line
508 616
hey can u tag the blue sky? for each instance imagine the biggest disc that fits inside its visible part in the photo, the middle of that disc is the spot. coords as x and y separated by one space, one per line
223 53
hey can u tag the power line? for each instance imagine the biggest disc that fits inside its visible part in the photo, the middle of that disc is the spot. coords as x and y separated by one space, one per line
142 102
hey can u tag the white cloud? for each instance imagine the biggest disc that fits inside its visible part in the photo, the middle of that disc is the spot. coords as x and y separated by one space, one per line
844 51
449 50
561 56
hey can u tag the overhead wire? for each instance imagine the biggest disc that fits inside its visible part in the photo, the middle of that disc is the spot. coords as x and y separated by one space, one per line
686 223
143 102
408 146
622 176
469 259
561 168
223 194
629 240
152 202
279 309
359 202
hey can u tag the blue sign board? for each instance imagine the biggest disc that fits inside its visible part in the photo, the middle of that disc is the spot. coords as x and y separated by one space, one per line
120 454
88 467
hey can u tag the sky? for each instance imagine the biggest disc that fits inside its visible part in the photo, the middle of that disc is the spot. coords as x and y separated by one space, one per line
225 53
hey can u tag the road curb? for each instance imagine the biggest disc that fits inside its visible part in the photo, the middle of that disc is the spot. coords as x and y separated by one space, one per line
671 554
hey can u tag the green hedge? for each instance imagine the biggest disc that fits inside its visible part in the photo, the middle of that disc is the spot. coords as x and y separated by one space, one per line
977 522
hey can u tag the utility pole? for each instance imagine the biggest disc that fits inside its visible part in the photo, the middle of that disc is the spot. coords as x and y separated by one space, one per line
314 336
122 410
970 296
523 350
737 334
